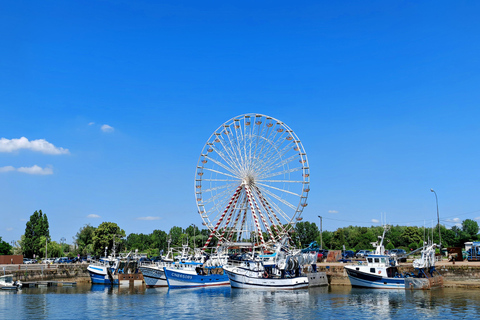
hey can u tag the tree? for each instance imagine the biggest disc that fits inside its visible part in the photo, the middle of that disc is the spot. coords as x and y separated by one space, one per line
470 227
5 247
411 236
34 230
177 236
84 239
305 233
105 235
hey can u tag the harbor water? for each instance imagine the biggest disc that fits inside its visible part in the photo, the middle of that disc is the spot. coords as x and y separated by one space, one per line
341 302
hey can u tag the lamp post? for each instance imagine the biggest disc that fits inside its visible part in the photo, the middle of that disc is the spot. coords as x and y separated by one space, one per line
321 240
438 221
62 241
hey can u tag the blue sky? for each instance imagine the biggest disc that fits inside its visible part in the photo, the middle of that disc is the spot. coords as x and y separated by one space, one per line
383 95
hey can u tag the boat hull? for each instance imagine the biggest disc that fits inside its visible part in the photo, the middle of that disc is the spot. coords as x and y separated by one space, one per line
99 275
368 280
154 277
179 279
245 281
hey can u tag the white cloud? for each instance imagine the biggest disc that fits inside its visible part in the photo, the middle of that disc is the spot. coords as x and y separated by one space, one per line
29 170
332 211
375 221
9 229
107 128
40 145
7 169
36 170
93 216
456 220
91 123
477 218
148 218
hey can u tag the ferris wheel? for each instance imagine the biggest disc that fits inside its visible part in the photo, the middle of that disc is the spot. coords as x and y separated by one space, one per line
252 180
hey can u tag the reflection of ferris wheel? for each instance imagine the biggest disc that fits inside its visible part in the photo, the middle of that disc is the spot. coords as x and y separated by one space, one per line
252 180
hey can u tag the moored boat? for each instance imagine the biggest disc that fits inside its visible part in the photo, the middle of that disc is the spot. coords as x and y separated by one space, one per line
195 277
381 271
282 270
7 283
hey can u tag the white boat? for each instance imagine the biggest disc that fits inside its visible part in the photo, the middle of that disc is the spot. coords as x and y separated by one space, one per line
381 271
104 271
114 270
281 270
7 283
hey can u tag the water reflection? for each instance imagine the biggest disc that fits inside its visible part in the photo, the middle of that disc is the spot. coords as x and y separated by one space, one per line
93 301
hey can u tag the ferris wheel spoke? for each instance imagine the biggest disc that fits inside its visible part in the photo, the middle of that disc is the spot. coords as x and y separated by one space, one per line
284 181
218 180
279 173
223 194
280 213
285 202
233 149
271 167
220 172
278 189
239 135
229 169
233 160
261 212
225 158
230 185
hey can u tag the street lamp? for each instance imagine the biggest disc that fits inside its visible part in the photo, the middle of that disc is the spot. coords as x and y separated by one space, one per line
321 241
438 221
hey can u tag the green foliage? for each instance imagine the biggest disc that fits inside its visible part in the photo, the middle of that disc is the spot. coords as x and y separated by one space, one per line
36 228
411 236
104 236
389 246
305 233
470 227
84 240
5 248
54 249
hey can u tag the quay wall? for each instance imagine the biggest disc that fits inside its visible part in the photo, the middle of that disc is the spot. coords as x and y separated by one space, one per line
43 272
460 274
465 274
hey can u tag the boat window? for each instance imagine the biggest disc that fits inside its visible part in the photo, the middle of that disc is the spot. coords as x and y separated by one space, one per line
372 270
377 260
370 260
383 260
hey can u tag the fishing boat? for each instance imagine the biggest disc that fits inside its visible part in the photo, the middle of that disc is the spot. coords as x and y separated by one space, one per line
282 270
7 283
154 274
113 270
104 271
381 271
195 277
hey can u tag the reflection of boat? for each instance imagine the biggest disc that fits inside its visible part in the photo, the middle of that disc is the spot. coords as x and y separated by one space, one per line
7 283
195 277
381 271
